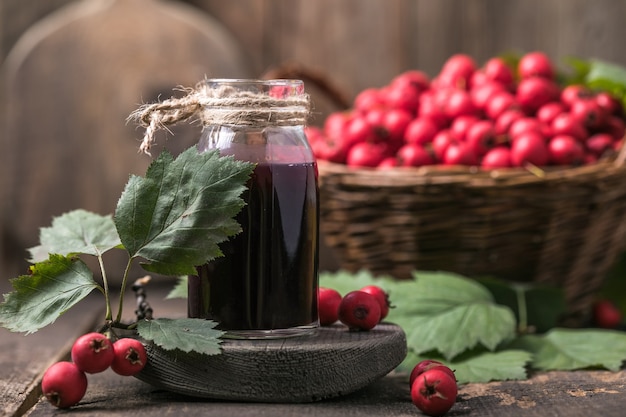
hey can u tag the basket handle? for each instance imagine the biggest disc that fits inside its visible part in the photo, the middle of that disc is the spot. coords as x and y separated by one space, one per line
319 79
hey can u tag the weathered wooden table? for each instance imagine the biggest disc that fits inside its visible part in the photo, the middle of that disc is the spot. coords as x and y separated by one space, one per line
24 359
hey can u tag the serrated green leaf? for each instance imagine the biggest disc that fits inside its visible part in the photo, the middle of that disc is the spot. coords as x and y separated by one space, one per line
177 215
439 291
52 287
479 366
571 349
76 232
458 328
187 335
180 290
450 314
438 311
492 366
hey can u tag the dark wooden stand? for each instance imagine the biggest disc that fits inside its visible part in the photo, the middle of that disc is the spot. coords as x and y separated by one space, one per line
331 362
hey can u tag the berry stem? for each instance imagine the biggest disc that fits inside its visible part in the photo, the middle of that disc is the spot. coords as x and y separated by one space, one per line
122 290
105 284
521 309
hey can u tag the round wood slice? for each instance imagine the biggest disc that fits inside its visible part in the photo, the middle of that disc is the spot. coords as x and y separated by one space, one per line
331 362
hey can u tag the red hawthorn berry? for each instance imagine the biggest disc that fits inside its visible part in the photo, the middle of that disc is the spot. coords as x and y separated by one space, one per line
606 314
359 310
434 392
424 366
130 356
381 296
63 384
92 353
328 305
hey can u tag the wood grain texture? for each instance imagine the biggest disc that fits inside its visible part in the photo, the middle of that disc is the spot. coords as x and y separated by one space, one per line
554 394
557 394
25 358
70 84
364 43
330 363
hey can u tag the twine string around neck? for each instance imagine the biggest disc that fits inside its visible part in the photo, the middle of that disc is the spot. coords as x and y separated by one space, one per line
221 105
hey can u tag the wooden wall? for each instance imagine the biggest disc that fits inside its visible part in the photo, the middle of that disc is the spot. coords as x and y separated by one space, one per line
353 43
361 43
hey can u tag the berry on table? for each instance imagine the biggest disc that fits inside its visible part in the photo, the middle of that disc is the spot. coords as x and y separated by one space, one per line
434 392
63 384
92 353
606 314
425 365
130 356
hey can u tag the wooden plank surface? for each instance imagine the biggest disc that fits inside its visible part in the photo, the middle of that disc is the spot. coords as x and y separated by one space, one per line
24 358
559 394
555 394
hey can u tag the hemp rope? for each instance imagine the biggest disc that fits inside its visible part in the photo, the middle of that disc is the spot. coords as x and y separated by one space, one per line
223 105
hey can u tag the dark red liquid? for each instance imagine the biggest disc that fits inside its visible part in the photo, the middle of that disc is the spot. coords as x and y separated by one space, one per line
267 278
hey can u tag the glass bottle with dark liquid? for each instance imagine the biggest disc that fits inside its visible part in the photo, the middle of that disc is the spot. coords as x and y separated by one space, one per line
266 283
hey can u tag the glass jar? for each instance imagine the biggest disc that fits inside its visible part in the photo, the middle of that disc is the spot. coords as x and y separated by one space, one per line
266 283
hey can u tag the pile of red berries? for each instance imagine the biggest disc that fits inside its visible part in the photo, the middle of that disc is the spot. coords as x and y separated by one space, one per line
359 310
492 116
433 387
65 383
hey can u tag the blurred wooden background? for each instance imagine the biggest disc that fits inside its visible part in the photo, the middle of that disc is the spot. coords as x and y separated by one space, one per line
361 43
65 96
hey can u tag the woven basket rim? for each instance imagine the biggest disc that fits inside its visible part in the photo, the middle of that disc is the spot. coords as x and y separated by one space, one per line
475 176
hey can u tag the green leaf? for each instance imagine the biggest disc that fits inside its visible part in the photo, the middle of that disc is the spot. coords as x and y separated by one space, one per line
608 77
438 311
492 366
51 288
177 215
187 335
344 281
535 306
579 68
479 366
450 314
571 349
180 289
454 330
606 72
439 291
76 232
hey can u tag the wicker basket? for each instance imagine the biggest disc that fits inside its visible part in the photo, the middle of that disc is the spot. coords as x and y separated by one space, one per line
564 228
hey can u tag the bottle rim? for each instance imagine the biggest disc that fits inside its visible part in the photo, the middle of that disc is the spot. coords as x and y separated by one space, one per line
277 88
